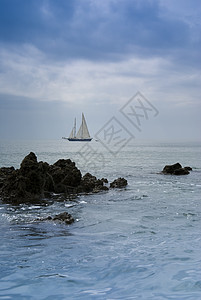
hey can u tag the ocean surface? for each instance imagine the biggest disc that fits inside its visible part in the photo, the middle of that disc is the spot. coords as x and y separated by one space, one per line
141 242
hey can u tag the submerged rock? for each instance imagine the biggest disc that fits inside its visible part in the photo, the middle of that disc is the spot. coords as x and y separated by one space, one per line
61 218
176 169
119 183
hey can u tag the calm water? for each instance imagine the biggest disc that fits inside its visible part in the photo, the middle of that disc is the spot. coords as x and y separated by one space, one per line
142 242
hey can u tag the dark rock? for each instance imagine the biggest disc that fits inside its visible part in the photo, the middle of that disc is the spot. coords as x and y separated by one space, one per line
87 183
104 180
118 183
181 171
100 188
188 168
34 179
64 176
90 183
64 217
29 162
176 169
4 173
169 169
25 184
61 218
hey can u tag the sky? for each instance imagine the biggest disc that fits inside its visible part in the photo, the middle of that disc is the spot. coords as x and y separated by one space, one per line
61 58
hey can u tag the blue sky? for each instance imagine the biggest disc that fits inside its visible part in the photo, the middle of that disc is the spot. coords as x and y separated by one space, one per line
59 58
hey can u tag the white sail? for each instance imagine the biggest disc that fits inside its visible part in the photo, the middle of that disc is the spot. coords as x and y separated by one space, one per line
71 136
73 131
83 132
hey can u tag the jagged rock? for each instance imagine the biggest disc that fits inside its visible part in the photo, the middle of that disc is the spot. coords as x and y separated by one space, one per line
119 183
34 180
90 183
176 169
25 184
4 171
61 218
104 180
64 175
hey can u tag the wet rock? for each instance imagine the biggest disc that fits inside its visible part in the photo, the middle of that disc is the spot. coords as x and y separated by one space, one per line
60 218
34 180
64 176
119 183
188 168
63 217
181 171
176 169
90 183
169 169
104 180
4 173
100 188
25 185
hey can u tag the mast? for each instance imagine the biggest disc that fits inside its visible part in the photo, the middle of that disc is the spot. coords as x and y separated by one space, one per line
74 134
82 124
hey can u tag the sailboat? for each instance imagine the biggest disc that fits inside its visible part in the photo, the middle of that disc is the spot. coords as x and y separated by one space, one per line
82 134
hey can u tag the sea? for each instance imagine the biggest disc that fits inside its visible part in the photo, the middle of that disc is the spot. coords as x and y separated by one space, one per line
138 242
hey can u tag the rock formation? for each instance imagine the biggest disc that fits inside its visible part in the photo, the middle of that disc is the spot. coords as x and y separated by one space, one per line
176 169
118 183
36 181
90 183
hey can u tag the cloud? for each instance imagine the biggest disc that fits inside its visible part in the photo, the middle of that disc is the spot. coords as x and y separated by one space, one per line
93 30
95 54
27 73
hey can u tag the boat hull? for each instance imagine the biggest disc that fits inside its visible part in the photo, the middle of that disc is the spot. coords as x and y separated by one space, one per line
79 140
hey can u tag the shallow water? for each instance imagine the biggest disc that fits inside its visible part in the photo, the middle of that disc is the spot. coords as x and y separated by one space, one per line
142 242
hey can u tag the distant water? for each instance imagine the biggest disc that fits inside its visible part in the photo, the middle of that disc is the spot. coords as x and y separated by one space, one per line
142 242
